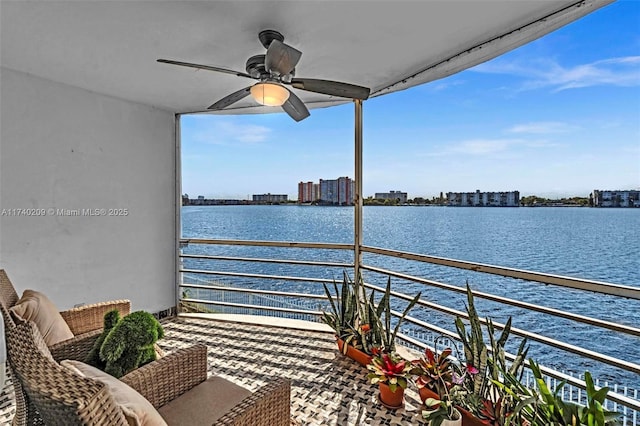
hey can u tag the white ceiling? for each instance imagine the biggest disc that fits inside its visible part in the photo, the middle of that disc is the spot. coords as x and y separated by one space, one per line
111 47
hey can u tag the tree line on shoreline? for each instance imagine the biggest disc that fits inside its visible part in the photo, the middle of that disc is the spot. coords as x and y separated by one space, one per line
528 201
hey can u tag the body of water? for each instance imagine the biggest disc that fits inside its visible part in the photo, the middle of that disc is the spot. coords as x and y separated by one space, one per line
596 244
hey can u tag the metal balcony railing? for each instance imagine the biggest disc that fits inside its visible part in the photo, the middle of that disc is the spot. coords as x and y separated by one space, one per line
285 279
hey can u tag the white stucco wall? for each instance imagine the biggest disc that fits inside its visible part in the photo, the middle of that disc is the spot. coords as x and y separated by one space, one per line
66 148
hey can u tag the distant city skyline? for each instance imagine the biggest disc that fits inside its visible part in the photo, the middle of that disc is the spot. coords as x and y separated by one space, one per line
556 118
405 196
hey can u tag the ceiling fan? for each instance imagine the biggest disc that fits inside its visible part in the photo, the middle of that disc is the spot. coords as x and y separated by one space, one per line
275 71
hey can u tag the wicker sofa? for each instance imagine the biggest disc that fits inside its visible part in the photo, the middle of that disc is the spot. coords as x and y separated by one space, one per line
176 385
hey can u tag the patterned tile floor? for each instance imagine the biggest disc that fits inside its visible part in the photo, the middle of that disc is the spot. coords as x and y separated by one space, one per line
326 388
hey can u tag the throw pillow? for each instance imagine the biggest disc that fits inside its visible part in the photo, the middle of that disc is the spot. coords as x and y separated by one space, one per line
136 408
35 306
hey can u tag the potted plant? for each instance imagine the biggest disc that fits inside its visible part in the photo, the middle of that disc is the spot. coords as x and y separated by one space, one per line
438 373
344 318
435 372
391 373
355 335
484 401
542 406
428 369
496 396
441 412
359 323
551 409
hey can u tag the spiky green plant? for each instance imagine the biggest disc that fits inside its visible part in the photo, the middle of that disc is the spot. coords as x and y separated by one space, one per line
358 320
383 315
490 360
343 317
558 412
475 349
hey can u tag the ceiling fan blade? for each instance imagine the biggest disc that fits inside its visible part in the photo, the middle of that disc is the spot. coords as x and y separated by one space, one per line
204 67
295 107
281 57
334 88
231 99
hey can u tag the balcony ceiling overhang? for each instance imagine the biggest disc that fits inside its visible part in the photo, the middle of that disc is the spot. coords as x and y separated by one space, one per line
111 47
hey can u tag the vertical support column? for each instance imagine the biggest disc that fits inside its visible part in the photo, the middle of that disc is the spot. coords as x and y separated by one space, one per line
178 223
357 227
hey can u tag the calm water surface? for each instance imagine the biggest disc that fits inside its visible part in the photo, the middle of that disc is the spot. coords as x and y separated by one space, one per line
596 244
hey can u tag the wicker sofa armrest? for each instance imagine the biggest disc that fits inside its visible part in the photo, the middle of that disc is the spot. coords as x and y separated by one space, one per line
167 378
88 318
75 348
268 406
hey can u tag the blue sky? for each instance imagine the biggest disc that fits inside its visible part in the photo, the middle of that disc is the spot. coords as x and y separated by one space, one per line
557 117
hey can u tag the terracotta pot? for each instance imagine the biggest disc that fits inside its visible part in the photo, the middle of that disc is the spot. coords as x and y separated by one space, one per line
427 393
355 354
391 400
469 419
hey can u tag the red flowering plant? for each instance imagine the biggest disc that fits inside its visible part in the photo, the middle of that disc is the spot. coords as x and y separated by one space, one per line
389 368
433 371
439 373
443 375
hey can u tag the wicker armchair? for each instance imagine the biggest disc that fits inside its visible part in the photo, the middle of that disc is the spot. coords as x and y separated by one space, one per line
64 398
85 322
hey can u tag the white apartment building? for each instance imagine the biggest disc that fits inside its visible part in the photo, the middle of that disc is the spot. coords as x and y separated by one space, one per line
392 195
483 199
617 198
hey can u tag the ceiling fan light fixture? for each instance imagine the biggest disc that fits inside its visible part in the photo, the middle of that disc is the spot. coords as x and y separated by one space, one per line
270 94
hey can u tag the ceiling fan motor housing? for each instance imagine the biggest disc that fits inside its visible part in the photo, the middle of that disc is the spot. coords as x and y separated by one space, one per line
255 66
267 36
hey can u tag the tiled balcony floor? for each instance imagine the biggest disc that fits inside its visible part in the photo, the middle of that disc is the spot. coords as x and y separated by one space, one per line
326 388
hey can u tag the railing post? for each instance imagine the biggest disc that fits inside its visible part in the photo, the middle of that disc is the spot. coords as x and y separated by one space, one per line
357 199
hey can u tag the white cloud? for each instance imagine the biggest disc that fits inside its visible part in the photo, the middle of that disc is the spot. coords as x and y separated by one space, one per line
542 127
249 133
474 147
495 148
483 146
547 73
227 130
441 85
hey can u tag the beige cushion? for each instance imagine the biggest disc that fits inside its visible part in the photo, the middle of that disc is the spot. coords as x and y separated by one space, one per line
204 403
137 410
35 306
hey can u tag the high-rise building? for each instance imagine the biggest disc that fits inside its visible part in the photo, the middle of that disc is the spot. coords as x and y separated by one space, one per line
306 192
316 191
336 191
